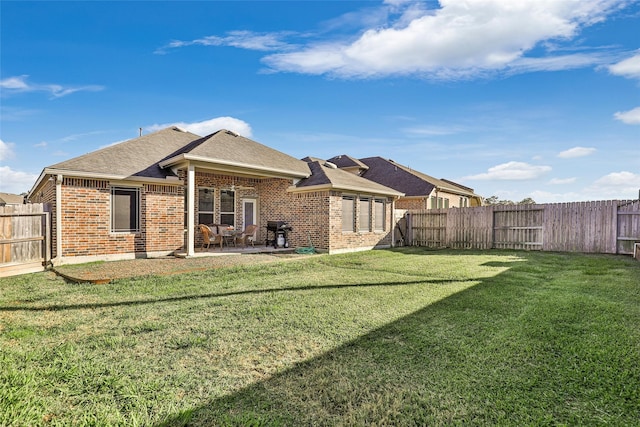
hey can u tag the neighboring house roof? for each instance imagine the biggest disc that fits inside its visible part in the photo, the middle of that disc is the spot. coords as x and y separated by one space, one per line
10 199
411 182
234 153
347 162
323 176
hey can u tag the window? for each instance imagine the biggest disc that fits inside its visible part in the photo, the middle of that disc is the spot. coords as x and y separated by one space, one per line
365 214
348 211
439 202
125 210
464 202
228 207
205 205
378 215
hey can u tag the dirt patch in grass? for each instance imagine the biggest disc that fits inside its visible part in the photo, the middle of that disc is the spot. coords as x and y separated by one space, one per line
107 271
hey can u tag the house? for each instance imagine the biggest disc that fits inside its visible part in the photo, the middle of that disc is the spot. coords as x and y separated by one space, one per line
8 199
145 197
420 190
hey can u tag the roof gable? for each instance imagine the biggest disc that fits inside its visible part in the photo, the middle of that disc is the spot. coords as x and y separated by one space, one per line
344 161
135 157
230 149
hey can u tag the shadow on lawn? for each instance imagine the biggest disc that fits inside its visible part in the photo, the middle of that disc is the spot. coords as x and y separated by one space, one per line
395 375
59 307
458 361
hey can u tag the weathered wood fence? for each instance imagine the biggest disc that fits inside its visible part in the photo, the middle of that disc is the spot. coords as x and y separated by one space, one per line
25 236
611 226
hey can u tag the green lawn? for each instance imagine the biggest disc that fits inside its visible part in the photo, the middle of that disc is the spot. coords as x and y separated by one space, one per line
395 337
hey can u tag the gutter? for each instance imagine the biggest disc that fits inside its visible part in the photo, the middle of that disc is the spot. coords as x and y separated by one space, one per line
271 171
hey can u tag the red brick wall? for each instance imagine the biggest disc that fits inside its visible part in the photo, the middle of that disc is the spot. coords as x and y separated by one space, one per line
346 241
86 216
305 212
86 220
413 203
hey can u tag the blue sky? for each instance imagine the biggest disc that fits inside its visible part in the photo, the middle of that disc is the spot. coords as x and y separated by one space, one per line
521 99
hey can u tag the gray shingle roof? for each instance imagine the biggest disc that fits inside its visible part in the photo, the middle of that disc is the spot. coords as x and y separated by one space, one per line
227 148
149 155
135 157
323 176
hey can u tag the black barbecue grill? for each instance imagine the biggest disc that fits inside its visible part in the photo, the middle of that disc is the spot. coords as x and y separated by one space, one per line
279 230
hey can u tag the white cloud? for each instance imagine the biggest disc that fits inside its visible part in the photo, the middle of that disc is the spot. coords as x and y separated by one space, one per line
15 182
433 130
207 127
516 171
576 152
6 150
616 185
541 196
239 39
562 181
629 67
620 179
18 84
631 117
461 39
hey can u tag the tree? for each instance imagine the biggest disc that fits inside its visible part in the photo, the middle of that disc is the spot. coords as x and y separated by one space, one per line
527 201
493 200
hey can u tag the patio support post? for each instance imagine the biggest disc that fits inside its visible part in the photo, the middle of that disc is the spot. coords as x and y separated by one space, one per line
191 204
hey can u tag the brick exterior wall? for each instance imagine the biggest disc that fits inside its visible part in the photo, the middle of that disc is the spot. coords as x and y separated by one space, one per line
317 215
86 211
342 241
413 203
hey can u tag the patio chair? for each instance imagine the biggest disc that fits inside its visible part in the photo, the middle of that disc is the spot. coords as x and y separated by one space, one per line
248 235
209 237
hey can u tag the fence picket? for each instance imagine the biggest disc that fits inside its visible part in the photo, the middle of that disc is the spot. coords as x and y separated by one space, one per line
594 227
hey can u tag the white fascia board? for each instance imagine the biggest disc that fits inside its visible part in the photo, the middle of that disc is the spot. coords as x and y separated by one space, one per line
356 189
233 166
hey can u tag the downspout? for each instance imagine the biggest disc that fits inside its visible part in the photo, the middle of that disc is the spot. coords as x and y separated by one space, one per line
58 257
393 222
191 205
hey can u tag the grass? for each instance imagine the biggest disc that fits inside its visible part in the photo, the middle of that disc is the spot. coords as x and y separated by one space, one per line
397 337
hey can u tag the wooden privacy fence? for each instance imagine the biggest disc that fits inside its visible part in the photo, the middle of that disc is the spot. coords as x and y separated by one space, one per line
611 226
25 238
